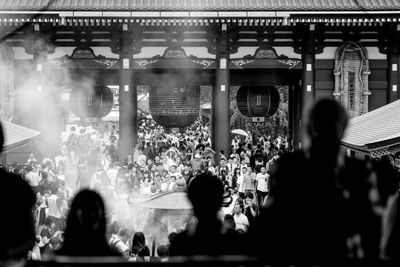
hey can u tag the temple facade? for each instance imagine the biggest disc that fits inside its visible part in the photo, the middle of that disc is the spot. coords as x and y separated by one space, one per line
345 49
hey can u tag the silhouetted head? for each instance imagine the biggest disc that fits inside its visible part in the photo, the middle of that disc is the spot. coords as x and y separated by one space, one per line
17 223
162 251
206 194
138 239
86 219
327 120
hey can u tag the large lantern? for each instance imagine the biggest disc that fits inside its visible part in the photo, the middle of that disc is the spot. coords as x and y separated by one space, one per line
257 101
174 106
93 102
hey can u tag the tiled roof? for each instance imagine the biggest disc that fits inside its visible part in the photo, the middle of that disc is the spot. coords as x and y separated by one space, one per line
200 5
16 135
376 126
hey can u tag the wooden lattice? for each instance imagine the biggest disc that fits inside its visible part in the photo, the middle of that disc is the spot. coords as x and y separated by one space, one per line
377 153
351 77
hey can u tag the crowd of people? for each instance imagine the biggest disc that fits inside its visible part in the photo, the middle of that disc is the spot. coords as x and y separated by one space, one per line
161 162
310 204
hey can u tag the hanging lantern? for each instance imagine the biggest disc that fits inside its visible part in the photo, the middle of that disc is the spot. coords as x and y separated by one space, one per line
93 102
174 106
257 101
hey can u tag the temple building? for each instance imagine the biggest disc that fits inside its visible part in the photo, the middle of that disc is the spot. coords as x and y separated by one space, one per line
346 49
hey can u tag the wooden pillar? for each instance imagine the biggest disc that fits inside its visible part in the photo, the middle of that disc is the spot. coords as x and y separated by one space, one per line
393 70
308 73
221 132
127 97
294 110
291 116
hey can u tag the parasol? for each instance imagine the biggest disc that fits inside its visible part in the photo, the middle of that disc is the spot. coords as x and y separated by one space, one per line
239 131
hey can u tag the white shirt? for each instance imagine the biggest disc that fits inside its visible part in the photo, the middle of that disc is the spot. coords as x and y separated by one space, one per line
262 182
118 244
32 178
241 221
240 184
112 175
53 208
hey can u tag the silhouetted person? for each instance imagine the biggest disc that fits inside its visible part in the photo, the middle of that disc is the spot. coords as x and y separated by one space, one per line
139 248
208 236
16 223
391 230
305 218
85 234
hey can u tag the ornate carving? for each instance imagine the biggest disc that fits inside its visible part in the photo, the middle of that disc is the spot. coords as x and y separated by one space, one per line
203 62
266 53
84 52
144 62
38 43
59 63
107 62
241 62
291 62
351 77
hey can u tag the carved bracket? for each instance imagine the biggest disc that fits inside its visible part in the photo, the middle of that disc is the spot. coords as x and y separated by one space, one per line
241 62
39 42
84 52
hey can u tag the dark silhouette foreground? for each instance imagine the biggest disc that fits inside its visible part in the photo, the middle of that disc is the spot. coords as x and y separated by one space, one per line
307 217
16 222
208 236
85 234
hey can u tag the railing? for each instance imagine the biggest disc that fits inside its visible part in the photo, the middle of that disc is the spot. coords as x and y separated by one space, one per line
203 261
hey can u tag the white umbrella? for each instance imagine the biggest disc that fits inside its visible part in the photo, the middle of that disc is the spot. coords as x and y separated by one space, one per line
239 131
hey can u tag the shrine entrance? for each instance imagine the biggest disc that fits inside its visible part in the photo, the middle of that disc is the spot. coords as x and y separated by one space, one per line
266 70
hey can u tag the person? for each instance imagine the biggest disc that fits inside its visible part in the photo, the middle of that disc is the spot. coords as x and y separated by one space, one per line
163 253
207 236
18 235
307 218
32 178
241 220
118 242
85 233
262 179
54 210
250 208
139 250
196 162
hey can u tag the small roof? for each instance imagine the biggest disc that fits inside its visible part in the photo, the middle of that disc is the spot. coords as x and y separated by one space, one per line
165 201
199 5
376 129
16 135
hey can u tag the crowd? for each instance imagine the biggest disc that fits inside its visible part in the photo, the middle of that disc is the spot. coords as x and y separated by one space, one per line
305 204
161 162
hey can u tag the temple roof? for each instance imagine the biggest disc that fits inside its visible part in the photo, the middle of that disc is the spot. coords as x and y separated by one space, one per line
16 135
200 5
376 129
